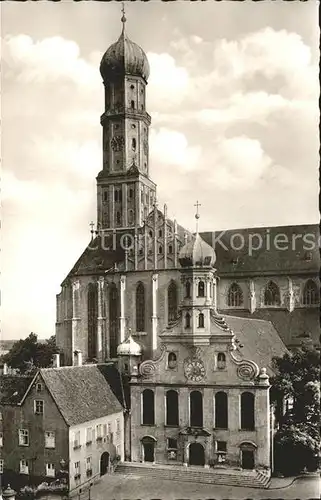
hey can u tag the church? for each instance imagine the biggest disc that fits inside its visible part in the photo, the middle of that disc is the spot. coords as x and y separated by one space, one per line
193 327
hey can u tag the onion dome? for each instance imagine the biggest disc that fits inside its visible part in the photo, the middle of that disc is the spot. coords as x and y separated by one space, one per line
124 57
197 253
129 348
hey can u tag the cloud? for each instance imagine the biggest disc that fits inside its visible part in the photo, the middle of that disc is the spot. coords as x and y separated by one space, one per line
172 149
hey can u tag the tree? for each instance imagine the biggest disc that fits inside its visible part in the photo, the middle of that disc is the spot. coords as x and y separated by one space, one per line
28 354
298 436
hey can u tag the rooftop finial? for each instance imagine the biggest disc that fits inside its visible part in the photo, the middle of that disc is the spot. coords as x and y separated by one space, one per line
123 17
197 215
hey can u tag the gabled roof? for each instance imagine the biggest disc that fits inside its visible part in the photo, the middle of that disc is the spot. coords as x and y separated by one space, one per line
13 388
81 393
269 258
260 340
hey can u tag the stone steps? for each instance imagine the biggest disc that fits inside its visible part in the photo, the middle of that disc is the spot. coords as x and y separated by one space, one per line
229 477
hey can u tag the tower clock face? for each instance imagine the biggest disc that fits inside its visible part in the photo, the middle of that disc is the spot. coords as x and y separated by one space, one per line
194 370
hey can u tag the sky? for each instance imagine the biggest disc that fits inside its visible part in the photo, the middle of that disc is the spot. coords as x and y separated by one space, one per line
233 96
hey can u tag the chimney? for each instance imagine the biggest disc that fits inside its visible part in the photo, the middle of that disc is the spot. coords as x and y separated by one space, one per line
5 369
56 360
78 356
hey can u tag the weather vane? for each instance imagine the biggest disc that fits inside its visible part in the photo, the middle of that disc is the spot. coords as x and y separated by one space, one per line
123 17
197 215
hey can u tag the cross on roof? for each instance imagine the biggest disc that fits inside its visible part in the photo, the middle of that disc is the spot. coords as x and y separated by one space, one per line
197 215
123 17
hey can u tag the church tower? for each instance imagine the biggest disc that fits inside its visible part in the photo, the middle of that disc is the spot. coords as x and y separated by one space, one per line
125 193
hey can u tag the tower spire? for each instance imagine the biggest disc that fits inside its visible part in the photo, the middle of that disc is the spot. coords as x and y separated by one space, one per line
123 17
197 215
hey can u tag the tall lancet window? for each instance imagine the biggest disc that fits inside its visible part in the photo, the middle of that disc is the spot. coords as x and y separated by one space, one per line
172 301
235 296
310 293
140 307
113 320
272 295
92 301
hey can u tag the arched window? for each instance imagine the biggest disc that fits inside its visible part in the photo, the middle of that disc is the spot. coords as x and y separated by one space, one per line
170 249
188 290
310 293
160 249
92 300
131 193
247 411
235 296
148 412
134 144
201 320
196 409
172 360
132 104
272 295
187 320
118 218
172 301
171 407
105 196
113 320
221 361
201 289
221 411
140 307
160 233
130 217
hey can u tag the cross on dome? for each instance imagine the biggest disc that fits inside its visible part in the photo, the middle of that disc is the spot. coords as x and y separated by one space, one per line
123 17
197 215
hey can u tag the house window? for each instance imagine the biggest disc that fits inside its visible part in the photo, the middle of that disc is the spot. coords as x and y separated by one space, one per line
247 411
1 465
77 439
235 296
89 435
272 295
140 307
310 293
38 387
88 466
99 432
77 470
172 301
1 439
50 470
196 409
171 407
50 439
38 407
221 411
221 361
23 437
24 467
201 289
221 446
187 320
171 444
201 320
188 290
148 407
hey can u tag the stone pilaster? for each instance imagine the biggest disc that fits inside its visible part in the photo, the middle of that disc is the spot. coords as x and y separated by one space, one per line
101 320
154 311
122 308
252 297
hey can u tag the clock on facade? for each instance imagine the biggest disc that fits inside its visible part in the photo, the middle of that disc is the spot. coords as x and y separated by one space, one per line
194 369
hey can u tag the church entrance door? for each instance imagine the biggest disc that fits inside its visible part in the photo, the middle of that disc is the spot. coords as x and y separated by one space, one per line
247 459
148 449
196 454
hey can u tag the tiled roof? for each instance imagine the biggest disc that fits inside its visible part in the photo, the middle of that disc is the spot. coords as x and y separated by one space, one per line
81 393
268 258
13 388
259 339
